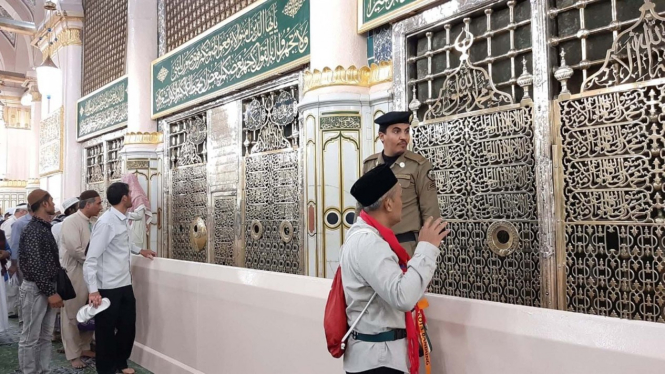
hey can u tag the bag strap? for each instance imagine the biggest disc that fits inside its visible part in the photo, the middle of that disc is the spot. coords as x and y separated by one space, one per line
354 233
353 325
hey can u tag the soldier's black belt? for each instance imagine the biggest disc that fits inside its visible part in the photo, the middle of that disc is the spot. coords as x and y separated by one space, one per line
406 237
387 336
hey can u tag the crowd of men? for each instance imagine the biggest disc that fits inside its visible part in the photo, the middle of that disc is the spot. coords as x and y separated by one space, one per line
36 243
390 251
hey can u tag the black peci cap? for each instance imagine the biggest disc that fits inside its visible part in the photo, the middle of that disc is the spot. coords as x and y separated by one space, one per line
372 185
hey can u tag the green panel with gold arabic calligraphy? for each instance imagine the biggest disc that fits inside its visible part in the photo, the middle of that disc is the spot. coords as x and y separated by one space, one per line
103 110
267 38
373 9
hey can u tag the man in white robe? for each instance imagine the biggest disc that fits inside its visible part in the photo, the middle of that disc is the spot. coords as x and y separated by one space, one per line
74 240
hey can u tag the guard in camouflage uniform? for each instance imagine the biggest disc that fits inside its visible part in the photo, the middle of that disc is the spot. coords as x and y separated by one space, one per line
412 170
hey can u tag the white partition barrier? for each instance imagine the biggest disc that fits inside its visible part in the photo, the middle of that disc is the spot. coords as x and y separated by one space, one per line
200 318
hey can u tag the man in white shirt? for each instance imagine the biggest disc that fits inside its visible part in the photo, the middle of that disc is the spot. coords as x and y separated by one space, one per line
73 242
385 340
19 211
107 273
13 227
70 206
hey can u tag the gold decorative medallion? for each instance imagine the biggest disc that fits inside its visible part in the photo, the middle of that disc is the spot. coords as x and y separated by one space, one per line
198 234
502 238
256 229
286 231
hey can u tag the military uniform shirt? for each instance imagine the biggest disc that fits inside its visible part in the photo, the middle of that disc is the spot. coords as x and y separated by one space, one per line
419 200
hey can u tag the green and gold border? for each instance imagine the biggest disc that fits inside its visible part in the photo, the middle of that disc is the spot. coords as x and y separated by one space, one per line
88 96
388 17
222 91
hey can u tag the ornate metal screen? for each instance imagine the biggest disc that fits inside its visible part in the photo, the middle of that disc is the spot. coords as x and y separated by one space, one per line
481 145
273 207
102 163
113 164
610 182
94 161
584 30
501 40
185 19
104 44
189 188
224 214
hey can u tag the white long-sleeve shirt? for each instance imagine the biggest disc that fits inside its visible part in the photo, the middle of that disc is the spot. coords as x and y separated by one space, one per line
369 265
7 227
109 255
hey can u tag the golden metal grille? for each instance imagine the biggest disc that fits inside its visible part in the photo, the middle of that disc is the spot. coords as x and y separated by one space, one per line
104 44
273 177
481 146
585 29
186 19
613 159
611 163
189 188
113 164
94 162
502 39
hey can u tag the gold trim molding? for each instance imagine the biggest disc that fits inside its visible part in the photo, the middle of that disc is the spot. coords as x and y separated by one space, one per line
13 184
64 38
144 138
366 76
34 181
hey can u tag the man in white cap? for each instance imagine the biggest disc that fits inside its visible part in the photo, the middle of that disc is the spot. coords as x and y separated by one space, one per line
76 231
70 206
19 211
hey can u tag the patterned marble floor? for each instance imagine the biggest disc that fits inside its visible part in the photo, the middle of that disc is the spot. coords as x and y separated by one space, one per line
59 364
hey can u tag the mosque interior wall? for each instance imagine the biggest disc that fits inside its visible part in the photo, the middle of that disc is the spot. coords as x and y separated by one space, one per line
547 151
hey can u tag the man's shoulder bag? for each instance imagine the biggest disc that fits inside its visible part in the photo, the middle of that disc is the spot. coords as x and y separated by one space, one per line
64 285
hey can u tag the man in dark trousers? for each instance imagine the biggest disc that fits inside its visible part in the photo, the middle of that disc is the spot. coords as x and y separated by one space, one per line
107 274
39 263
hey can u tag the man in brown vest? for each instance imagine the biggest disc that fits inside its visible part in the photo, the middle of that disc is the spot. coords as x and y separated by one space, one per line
412 170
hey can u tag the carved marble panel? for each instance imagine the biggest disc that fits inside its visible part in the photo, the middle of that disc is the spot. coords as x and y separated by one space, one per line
50 143
224 212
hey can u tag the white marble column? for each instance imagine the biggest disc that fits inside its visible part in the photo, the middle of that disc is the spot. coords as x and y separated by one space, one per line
35 119
334 37
142 150
141 51
72 181
337 111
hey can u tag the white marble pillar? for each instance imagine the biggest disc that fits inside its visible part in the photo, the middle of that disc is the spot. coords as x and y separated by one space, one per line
338 111
334 37
141 51
142 150
72 182
35 119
